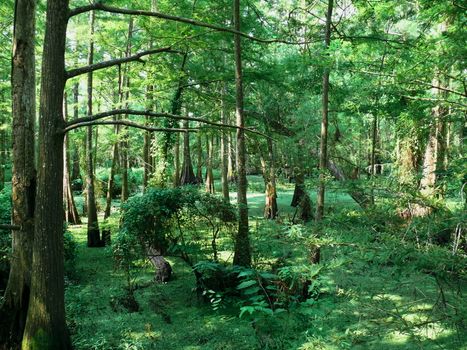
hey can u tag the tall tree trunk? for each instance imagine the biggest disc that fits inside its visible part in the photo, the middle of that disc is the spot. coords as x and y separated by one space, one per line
93 223
224 149
242 254
75 173
124 143
16 299
209 175
71 213
115 158
187 176
323 156
45 324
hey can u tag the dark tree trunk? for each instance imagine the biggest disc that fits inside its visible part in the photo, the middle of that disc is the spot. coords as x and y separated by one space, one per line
2 151
209 175
45 324
16 299
242 254
93 223
176 175
147 155
270 209
75 172
187 176
199 164
301 200
323 156
224 149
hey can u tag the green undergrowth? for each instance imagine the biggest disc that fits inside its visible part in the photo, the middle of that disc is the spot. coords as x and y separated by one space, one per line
380 284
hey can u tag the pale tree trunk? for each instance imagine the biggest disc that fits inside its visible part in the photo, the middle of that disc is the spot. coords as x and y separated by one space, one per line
242 254
323 156
224 149
209 184
93 233
2 150
187 176
71 213
45 324
16 299
147 140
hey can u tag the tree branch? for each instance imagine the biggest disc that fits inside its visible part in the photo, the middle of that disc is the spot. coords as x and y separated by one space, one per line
90 119
137 57
129 124
101 7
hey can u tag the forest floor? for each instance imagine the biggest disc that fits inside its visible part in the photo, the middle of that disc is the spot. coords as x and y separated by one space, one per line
372 294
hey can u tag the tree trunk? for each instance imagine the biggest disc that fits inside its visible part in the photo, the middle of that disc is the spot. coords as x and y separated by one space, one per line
231 160
71 213
301 200
93 223
199 153
224 149
2 151
113 170
75 173
270 209
323 156
126 97
45 324
176 175
209 175
187 176
16 299
242 254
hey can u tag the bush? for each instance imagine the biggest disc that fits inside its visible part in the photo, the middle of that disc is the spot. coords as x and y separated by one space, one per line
69 254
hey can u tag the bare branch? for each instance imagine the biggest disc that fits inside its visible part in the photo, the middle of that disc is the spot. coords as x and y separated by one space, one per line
137 57
129 124
80 121
102 7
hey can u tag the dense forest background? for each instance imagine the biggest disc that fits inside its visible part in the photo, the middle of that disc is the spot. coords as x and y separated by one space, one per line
200 174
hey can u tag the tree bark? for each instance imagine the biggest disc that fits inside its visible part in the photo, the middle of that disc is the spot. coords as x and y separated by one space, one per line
224 148
45 324
187 176
270 209
71 213
126 97
209 184
199 164
75 172
323 156
176 175
242 253
16 299
93 232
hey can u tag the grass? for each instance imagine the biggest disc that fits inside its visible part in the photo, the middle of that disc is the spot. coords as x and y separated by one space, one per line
374 294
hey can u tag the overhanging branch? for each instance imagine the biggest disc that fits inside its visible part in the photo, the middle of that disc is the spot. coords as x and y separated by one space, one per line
129 124
101 7
137 57
90 119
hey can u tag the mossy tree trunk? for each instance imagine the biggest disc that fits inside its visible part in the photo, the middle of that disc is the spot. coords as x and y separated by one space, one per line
242 253
224 148
45 324
209 184
16 299
323 155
